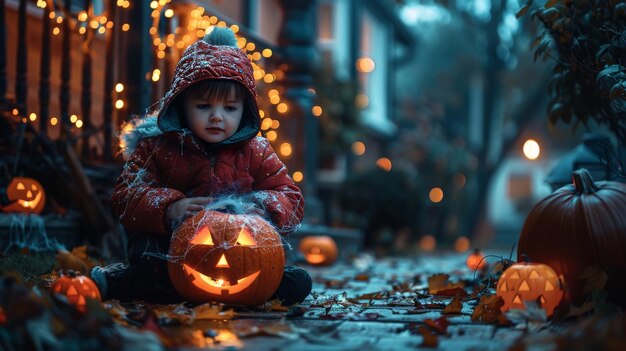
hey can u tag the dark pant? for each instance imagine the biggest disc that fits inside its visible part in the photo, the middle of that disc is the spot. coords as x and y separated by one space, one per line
145 277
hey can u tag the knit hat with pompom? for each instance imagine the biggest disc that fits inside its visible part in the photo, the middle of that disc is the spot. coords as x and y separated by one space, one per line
216 56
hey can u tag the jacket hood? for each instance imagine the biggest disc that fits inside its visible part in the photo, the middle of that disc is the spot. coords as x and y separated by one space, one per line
214 57
135 130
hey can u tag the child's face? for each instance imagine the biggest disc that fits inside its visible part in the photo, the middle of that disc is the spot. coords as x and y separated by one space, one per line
213 120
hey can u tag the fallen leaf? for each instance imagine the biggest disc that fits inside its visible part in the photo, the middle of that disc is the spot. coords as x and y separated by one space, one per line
335 283
275 305
363 277
439 325
455 306
373 296
117 311
76 260
212 311
438 282
452 292
595 279
533 313
488 309
429 338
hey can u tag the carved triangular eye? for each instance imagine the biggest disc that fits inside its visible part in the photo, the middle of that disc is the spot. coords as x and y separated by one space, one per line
245 238
20 186
203 237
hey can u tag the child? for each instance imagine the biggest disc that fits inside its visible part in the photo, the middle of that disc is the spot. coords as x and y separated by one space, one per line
201 147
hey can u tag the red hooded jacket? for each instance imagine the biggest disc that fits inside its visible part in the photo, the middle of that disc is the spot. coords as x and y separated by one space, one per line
166 162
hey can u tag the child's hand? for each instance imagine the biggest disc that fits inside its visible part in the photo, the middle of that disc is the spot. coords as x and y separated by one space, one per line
181 209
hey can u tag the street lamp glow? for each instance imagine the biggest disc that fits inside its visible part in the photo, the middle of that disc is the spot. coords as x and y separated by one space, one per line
531 149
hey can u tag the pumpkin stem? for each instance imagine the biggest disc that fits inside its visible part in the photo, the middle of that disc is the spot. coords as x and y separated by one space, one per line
525 258
71 273
583 182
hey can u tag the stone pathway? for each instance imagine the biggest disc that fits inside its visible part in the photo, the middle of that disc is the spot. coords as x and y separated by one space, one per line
354 307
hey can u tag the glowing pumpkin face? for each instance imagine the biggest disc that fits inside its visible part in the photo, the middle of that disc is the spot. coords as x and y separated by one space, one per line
233 259
319 250
529 282
26 194
77 288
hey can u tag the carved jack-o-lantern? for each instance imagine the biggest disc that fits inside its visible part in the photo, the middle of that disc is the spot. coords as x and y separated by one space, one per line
476 260
529 282
26 194
319 250
234 259
76 288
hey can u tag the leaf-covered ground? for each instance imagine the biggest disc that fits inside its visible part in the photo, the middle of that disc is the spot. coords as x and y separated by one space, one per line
425 301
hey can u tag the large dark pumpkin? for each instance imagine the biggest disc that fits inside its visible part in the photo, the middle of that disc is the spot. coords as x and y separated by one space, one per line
577 226
228 258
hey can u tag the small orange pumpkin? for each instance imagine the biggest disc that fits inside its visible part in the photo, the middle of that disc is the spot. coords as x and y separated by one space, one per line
476 260
236 259
77 288
529 282
27 196
319 250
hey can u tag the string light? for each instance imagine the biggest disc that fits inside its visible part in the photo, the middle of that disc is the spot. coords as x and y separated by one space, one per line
316 111
285 149
282 107
271 135
73 118
297 176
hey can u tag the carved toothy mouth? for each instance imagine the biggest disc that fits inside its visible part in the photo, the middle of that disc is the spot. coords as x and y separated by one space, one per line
32 203
219 286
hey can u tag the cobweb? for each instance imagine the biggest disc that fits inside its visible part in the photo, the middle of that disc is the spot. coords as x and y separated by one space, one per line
231 199
29 231
248 212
